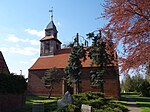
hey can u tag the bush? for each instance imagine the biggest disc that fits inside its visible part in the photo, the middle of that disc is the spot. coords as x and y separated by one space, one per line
72 108
108 109
86 97
97 101
116 106
145 88
10 83
132 84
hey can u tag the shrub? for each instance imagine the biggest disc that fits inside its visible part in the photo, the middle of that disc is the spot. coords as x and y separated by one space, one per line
145 88
10 83
116 106
86 97
98 103
72 108
96 100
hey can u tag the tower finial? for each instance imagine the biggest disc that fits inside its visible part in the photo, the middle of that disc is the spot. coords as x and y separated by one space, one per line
51 13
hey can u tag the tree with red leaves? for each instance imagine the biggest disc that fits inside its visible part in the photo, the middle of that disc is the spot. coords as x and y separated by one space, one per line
129 20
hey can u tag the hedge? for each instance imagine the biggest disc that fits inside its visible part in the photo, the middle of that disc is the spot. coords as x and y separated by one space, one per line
10 83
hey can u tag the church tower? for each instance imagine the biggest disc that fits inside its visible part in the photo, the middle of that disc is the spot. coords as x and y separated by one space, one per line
50 44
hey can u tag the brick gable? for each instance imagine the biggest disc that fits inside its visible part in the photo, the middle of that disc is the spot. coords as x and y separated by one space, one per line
3 65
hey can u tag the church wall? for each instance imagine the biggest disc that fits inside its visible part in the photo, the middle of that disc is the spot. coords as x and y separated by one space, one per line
35 84
37 87
86 84
111 83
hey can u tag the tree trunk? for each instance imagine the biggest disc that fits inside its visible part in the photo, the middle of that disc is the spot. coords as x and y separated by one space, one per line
102 87
50 92
76 88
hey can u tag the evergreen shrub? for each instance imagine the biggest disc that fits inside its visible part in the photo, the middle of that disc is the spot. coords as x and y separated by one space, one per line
97 101
145 88
10 83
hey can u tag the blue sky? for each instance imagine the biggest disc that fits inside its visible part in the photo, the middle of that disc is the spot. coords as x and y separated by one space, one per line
22 24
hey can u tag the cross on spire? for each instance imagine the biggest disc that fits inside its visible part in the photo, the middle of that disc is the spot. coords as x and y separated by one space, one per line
51 11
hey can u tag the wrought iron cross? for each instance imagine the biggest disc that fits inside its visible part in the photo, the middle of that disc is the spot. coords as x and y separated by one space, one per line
51 11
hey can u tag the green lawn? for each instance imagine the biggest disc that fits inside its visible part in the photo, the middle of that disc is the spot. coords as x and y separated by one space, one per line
49 104
142 102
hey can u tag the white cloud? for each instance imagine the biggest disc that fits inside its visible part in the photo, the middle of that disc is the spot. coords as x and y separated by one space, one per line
34 42
33 60
19 50
23 62
24 51
15 39
4 49
35 32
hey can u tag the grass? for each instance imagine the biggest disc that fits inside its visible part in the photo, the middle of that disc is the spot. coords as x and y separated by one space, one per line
142 102
49 104
123 101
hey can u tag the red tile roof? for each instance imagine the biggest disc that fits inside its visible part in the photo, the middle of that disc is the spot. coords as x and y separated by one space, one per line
47 38
63 51
59 61
50 38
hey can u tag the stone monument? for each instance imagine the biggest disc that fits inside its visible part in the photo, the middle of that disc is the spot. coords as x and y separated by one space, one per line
86 108
67 99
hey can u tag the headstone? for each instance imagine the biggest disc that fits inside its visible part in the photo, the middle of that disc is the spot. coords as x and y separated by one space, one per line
67 99
86 108
38 107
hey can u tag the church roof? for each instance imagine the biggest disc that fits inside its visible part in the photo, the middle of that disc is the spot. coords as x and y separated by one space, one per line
51 25
60 60
47 38
3 65
50 38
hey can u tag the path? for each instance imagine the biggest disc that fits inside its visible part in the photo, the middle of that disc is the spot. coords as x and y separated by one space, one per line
132 107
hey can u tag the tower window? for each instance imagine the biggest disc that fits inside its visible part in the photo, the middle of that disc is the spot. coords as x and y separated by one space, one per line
57 46
47 46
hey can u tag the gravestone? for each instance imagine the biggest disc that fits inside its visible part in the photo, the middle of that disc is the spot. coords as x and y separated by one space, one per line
86 108
67 99
38 107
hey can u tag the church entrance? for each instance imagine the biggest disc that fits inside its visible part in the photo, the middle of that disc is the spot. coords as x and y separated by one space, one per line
70 89
66 88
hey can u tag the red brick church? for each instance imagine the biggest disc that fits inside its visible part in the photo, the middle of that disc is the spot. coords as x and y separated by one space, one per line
52 55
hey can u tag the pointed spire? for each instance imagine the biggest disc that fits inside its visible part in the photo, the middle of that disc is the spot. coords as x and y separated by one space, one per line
51 11
51 28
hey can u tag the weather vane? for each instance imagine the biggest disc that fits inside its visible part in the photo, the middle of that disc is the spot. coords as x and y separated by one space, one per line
51 11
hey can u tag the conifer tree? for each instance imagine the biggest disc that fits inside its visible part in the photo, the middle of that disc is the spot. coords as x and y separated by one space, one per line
73 70
101 56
